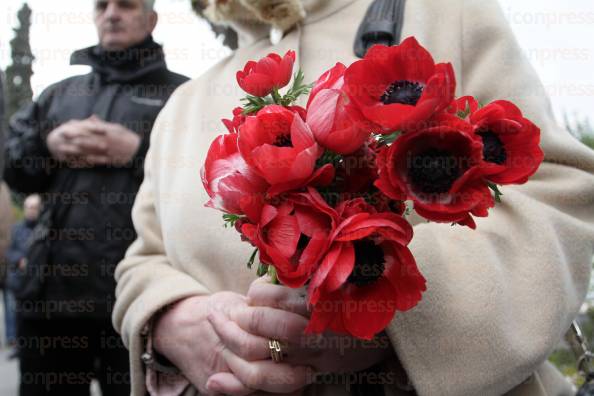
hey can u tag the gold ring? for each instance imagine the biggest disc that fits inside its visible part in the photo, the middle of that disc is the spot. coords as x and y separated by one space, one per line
276 351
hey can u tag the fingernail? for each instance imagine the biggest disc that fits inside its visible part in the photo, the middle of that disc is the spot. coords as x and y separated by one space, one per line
213 386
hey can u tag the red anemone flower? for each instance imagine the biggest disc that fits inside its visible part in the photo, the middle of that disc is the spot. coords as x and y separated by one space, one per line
269 73
281 148
336 123
511 147
439 169
231 184
293 235
367 275
238 119
400 87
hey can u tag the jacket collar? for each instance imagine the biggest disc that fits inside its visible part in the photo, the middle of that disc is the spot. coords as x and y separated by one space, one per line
122 66
316 10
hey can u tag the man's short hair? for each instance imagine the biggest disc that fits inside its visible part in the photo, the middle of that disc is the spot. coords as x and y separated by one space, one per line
149 4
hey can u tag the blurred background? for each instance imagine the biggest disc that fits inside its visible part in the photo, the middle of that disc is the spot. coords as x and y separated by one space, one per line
38 36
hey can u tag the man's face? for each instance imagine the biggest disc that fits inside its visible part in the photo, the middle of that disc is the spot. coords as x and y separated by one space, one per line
122 23
32 207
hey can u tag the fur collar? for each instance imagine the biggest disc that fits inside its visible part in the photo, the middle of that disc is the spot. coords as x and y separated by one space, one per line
279 14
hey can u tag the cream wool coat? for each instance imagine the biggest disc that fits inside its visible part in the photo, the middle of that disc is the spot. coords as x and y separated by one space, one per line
499 298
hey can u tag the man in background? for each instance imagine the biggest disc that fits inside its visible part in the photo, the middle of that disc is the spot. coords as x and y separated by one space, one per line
82 145
16 260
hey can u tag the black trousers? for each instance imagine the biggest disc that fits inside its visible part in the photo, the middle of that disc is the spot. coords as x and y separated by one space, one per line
60 357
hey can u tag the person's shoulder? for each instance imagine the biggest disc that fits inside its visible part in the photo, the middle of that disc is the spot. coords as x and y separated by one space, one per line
62 86
19 227
176 78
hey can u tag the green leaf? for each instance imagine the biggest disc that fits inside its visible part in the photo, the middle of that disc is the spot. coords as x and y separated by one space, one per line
254 104
276 97
386 140
230 219
464 113
329 157
262 269
495 188
250 262
296 90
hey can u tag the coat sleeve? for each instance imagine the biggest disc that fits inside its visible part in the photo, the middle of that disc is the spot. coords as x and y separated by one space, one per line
500 298
146 279
28 168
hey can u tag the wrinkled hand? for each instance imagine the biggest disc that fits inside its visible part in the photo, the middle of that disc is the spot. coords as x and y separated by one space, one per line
186 337
92 142
74 140
246 336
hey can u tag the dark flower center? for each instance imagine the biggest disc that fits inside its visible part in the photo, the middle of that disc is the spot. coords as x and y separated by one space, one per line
403 92
493 148
283 141
369 263
433 171
303 242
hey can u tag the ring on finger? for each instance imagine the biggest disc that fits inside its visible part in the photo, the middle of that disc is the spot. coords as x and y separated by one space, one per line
276 350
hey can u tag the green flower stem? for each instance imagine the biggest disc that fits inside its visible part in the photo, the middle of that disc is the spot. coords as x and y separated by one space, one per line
273 277
276 97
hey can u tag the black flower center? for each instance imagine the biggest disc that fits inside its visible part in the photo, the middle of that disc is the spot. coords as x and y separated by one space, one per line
433 171
403 92
369 263
493 148
303 242
283 141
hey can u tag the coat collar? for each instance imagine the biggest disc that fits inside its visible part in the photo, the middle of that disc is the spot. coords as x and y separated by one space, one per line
122 66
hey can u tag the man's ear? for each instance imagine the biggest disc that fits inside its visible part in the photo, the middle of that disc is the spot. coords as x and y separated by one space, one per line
153 18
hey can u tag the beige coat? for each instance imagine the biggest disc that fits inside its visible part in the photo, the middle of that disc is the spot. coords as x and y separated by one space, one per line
6 220
499 298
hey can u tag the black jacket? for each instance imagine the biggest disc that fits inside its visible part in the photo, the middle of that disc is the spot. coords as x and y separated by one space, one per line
95 228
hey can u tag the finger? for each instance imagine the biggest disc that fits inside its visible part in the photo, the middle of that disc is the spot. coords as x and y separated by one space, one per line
270 323
73 131
227 384
262 293
88 127
268 376
91 145
69 150
94 117
243 344
97 159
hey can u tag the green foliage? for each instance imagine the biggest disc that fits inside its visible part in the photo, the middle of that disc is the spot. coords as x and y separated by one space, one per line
297 89
253 104
252 258
385 140
230 220
588 140
565 360
581 128
498 194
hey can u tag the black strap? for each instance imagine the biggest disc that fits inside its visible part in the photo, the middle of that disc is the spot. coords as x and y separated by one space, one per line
382 25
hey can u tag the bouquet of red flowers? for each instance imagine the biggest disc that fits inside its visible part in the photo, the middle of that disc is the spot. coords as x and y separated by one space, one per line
323 192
